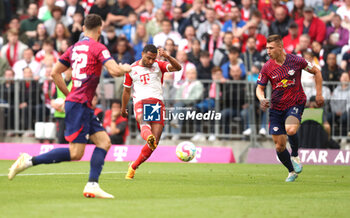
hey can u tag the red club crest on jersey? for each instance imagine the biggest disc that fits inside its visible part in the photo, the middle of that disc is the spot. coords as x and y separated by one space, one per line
144 78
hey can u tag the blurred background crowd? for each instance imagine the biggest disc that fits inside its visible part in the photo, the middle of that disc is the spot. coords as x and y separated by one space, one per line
214 40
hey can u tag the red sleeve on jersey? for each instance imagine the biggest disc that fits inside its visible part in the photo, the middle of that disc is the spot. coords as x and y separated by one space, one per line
262 79
163 66
65 58
103 54
127 80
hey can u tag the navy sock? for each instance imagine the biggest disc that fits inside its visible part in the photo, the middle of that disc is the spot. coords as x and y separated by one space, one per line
96 164
284 157
54 156
294 144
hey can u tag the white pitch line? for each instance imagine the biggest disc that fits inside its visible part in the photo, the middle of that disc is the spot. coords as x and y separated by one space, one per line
54 174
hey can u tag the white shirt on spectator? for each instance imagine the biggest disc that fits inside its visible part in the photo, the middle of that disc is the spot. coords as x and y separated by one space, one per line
160 38
21 64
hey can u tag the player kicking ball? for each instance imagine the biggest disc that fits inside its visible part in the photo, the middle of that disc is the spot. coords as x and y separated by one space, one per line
146 78
86 59
287 100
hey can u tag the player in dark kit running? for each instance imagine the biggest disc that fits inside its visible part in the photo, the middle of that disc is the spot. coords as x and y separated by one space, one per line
287 100
86 59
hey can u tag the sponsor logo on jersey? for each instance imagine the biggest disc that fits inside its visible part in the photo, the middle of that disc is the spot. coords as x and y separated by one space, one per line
285 83
291 72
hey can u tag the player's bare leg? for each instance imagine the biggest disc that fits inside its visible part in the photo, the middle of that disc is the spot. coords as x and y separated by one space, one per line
92 188
284 156
292 126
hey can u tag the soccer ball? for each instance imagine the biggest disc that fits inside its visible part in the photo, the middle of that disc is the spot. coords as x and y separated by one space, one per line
186 151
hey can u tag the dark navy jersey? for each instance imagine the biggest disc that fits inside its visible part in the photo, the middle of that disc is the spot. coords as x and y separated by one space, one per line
285 79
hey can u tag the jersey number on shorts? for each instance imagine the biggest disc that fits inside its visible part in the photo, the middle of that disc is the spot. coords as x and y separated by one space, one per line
80 61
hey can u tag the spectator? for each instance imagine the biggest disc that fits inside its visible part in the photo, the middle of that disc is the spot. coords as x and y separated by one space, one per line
291 41
27 61
28 26
326 11
124 53
298 9
178 22
221 54
101 8
111 38
8 96
188 94
48 48
45 10
41 34
71 8
167 7
345 63
331 71
282 22
4 65
205 66
340 104
246 10
252 32
118 16
186 43
223 9
235 23
61 33
149 12
344 12
154 26
206 26
14 49
76 28
268 11
251 56
179 76
58 103
140 39
256 17
336 36
304 45
234 60
232 100
57 16
213 41
14 24
116 125
318 52
171 48
159 39
193 55
311 25
130 28
87 5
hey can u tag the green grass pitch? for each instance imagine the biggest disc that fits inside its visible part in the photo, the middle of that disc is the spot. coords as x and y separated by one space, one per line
177 190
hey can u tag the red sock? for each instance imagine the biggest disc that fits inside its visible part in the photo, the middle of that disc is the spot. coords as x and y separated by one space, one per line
145 154
145 131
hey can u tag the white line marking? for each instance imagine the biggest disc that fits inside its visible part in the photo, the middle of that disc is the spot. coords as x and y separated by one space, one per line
54 174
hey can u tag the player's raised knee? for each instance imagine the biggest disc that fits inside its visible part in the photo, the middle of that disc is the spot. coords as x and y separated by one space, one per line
291 130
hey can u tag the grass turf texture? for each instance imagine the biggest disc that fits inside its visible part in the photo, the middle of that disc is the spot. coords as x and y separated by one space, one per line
178 190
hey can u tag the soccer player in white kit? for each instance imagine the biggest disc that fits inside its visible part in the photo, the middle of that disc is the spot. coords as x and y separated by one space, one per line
146 79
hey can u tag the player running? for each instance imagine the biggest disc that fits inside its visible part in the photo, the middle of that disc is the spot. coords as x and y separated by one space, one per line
287 100
146 79
86 58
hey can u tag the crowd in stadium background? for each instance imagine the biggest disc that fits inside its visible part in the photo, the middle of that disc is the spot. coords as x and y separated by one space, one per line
205 35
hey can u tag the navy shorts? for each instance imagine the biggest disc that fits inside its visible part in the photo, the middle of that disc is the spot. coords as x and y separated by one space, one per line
80 122
278 118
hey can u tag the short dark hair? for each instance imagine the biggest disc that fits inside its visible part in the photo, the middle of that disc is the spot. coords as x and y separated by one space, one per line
233 50
204 54
92 21
150 48
115 101
274 38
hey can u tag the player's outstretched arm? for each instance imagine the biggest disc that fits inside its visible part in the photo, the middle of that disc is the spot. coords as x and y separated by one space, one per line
117 69
174 64
56 74
260 94
125 101
318 79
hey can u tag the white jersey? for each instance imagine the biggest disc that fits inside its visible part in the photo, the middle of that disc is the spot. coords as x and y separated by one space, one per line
146 82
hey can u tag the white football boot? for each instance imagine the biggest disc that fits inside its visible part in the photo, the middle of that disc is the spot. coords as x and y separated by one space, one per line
23 162
93 190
